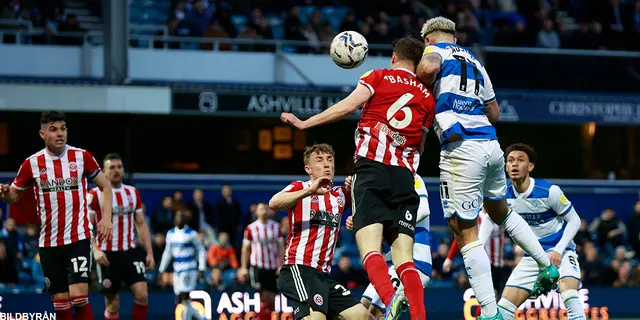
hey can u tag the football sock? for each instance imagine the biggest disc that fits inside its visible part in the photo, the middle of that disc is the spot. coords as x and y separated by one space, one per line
83 309
523 236
139 311
413 289
111 315
507 309
571 301
62 308
377 272
478 269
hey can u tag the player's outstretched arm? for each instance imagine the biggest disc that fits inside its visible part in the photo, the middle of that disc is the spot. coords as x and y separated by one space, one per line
429 67
359 96
293 193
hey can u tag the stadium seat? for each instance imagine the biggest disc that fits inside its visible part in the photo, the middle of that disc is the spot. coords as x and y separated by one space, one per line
239 21
305 13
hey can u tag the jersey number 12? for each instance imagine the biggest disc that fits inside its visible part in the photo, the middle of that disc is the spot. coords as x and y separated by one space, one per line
464 76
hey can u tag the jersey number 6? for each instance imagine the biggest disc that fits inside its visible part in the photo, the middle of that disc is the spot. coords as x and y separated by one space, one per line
400 105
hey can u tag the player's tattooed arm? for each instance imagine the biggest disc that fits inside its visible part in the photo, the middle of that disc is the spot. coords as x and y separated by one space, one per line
429 67
492 111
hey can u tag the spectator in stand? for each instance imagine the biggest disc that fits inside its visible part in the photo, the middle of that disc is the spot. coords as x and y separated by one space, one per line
593 270
203 217
548 37
178 202
180 13
623 275
229 212
8 270
293 25
347 276
162 218
583 236
405 28
349 22
221 254
71 25
200 16
610 231
13 239
30 242
224 18
438 261
215 281
634 229
215 30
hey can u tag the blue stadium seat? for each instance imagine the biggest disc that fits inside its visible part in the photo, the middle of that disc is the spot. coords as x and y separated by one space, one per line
228 275
277 26
305 13
239 21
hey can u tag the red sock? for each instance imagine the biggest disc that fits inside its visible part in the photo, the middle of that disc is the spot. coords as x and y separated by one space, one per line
63 309
413 290
83 309
265 311
376 269
111 316
139 311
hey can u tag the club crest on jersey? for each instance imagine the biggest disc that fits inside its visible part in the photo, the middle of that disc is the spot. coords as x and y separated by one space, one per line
318 299
340 202
73 167
106 283
47 282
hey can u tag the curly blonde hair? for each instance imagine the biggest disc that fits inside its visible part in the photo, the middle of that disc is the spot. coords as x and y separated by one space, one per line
436 24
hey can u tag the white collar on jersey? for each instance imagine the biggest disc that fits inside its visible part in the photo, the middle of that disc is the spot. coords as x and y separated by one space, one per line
532 184
46 152
407 70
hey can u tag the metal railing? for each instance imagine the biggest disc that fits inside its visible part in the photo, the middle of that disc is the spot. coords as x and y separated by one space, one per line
26 37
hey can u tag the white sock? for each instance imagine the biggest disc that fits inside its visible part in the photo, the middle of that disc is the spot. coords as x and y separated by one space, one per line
571 300
478 268
189 311
523 236
507 309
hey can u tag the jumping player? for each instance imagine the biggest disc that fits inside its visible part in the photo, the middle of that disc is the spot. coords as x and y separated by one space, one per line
189 262
492 235
397 111
554 221
471 161
315 210
119 259
58 174
262 249
421 254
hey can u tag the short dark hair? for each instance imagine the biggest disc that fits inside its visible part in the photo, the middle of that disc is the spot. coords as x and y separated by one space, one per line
321 148
529 150
409 48
52 116
112 156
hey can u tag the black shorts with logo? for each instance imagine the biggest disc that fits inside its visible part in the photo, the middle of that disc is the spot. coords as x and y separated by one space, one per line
65 265
309 288
128 266
263 279
384 194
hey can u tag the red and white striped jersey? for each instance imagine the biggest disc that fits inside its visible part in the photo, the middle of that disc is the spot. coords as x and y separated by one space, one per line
126 203
314 223
264 240
60 188
495 244
400 109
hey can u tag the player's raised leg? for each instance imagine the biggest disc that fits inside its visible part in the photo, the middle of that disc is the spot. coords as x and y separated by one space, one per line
495 203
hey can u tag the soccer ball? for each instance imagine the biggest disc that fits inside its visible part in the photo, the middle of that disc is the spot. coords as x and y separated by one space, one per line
349 49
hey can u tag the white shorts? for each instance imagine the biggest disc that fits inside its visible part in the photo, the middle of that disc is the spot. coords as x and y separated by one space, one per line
371 293
471 170
184 282
524 275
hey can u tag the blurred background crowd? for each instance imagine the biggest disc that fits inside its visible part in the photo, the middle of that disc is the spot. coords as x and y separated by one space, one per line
608 247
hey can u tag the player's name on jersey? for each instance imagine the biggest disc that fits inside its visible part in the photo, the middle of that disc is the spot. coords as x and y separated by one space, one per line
256 105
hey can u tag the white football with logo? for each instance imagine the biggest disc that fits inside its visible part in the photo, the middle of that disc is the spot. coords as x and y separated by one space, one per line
349 49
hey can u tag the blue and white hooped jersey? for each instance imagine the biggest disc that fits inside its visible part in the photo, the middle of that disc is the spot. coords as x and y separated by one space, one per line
462 89
184 246
422 246
542 206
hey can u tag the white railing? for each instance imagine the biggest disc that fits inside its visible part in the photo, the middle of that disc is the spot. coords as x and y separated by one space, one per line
24 37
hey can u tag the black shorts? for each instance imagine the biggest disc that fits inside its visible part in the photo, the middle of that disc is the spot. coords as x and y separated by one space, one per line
308 287
500 275
263 279
65 265
384 194
128 266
